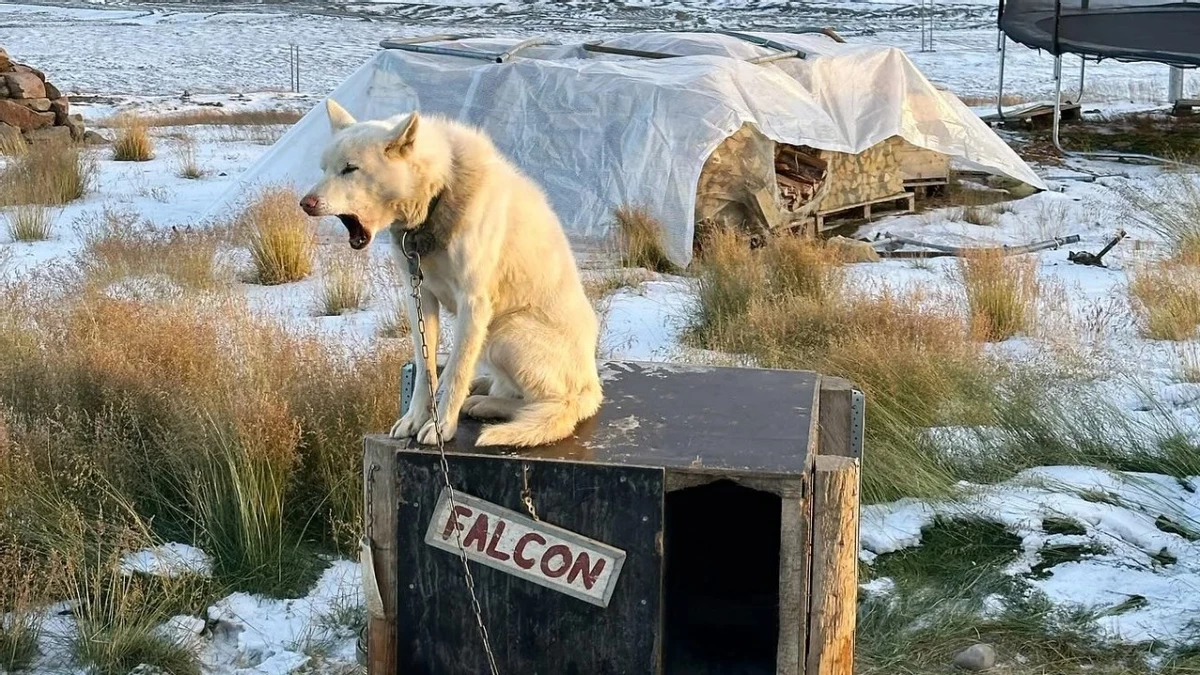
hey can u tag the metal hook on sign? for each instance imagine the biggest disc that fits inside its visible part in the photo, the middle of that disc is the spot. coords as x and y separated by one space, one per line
526 493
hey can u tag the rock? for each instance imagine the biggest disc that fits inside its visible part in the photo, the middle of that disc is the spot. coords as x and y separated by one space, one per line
5 63
75 124
24 85
20 68
852 250
35 104
976 658
23 118
49 135
93 138
52 91
61 108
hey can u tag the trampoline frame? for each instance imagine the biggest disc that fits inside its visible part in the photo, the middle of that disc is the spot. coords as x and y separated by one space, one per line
1054 135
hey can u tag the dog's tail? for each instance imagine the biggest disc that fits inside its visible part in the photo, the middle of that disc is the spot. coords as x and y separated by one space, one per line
544 422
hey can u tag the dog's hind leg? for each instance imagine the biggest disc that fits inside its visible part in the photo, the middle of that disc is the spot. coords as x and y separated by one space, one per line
491 407
480 386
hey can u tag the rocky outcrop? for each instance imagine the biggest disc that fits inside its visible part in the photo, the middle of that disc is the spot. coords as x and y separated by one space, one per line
32 107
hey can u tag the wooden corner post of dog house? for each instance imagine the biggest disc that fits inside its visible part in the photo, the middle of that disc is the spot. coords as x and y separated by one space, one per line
833 603
379 503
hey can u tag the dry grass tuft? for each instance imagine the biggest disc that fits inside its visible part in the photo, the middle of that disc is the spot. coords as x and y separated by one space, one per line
639 240
280 236
218 117
20 620
394 323
1166 298
1170 209
345 285
789 305
30 222
12 145
1001 293
133 142
124 245
185 158
54 175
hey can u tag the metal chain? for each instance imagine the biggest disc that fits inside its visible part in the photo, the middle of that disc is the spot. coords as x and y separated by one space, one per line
415 278
371 503
527 494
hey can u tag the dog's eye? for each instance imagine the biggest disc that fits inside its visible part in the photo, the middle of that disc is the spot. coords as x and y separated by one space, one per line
350 168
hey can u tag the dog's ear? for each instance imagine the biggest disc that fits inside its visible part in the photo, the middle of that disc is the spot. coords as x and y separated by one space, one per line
405 135
339 117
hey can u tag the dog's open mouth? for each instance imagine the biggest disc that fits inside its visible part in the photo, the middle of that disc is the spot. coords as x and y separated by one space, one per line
359 236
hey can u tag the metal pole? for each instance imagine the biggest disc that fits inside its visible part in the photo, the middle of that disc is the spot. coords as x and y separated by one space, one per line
1057 101
1082 75
1175 85
1000 89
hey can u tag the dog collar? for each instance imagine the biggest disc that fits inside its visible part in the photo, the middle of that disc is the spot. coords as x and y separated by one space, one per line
423 239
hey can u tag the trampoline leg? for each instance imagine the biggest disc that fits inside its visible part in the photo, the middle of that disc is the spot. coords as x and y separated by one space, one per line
1057 102
1119 156
1082 75
1000 88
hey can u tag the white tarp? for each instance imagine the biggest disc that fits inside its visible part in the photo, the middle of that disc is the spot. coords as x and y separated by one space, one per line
599 131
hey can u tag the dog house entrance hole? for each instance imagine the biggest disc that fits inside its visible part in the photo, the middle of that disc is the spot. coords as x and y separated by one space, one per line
722 580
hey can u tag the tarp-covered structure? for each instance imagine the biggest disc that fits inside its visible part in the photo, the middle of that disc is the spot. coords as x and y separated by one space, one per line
599 131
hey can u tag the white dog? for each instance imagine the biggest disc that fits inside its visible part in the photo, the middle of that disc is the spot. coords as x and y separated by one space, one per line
492 253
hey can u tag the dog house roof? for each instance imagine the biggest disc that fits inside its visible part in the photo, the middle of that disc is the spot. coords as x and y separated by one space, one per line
603 130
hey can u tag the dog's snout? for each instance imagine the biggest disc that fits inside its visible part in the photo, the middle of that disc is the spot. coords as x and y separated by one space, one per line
311 204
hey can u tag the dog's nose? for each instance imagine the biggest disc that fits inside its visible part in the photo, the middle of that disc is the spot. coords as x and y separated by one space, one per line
310 203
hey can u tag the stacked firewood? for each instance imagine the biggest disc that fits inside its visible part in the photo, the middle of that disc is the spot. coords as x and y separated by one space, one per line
800 172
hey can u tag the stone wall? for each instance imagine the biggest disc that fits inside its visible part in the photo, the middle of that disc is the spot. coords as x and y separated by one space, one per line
33 108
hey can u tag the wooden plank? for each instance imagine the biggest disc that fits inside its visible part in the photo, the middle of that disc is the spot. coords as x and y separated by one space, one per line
379 501
834 601
835 418
794 550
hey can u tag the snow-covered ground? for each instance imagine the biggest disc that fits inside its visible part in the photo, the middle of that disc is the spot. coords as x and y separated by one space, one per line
144 56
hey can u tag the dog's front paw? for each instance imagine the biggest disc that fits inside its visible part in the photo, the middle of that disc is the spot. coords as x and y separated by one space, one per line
428 433
481 386
407 426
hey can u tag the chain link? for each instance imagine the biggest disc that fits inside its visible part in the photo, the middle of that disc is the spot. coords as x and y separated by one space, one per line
415 278
526 493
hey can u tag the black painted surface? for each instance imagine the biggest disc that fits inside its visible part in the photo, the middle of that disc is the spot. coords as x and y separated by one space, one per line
745 420
534 630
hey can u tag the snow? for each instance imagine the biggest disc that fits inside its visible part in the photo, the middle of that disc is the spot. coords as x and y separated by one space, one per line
252 634
169 560
1122 525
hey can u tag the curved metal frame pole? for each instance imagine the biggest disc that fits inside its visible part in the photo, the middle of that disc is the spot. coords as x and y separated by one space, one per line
1092 155
1082 76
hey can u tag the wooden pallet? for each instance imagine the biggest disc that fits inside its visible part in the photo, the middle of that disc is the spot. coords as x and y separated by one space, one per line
1037 115
922 188
901 202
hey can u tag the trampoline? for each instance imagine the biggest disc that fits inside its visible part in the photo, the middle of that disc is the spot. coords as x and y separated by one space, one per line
1124 30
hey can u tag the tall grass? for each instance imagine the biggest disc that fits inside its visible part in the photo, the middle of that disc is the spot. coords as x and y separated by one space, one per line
133 142
187 165
209 426
121 244
1166 298
640 240
20 616
921 366
118 618
56 174
30 222
345 285
1001 293
1171 209
280 236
